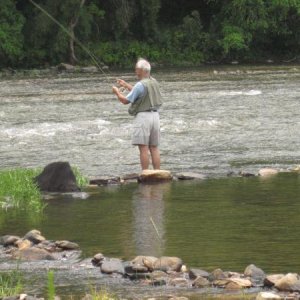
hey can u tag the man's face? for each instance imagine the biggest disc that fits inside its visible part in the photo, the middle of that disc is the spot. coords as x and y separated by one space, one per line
139 73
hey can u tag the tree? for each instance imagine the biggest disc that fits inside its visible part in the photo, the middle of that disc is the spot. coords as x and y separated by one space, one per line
11 37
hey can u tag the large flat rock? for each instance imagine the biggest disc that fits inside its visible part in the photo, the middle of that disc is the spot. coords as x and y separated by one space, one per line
150 176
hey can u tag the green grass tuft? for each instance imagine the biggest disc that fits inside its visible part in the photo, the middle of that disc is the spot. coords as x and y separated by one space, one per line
50 285
80 179
18 190
11 284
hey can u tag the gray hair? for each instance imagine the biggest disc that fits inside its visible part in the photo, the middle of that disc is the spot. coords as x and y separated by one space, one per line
143 64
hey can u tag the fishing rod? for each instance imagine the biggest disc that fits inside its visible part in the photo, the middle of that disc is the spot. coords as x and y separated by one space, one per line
66 31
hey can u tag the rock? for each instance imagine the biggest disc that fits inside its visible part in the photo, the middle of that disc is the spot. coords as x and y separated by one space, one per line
257 274
217 274
267 172
89 69
57 177
238 283
200 282
166 263
8 240
246 174
190 176
34 236
184 269
179 282
66 245
131 177
156 275
111 266
97 259
220 282
32 254
178 298
105 180
65 67
150 176
289 282
23 244
271 280
194 273
267 296
48 246
143 263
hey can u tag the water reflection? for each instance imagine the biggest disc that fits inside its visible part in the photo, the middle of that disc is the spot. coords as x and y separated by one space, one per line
148 218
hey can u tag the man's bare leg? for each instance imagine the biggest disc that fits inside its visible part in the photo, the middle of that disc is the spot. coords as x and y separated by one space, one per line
155 156
144 156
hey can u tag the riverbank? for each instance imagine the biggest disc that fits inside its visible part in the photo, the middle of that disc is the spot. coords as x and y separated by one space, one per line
164 276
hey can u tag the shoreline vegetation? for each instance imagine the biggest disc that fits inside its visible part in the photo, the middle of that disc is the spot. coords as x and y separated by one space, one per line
165 32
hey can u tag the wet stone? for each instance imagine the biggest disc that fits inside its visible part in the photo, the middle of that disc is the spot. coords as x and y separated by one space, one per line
8 240
201 282
111 266
34 236
66 245
167 264
271 280
217 274
194 273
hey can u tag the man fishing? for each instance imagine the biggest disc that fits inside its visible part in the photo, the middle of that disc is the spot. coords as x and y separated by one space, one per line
144 99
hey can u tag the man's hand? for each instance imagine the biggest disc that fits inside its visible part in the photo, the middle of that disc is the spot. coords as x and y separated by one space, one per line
124 84
115 90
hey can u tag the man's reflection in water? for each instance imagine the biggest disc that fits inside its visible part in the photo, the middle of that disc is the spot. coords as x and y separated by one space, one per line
148 202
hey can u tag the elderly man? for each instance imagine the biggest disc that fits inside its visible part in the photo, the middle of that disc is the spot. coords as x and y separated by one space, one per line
144 99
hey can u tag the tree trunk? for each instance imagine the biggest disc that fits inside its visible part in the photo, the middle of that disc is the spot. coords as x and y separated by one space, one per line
73 23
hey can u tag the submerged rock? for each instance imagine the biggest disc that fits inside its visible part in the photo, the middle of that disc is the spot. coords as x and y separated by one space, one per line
150 176
32 254
105 180
267 172
201 282
167 264
111 266
57 177
267 296
190 176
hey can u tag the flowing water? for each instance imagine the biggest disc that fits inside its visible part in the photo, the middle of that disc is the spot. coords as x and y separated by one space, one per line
212 122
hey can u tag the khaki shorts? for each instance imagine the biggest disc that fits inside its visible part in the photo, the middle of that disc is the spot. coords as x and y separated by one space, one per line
146 129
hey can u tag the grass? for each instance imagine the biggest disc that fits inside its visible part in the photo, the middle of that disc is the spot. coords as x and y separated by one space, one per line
102 294
18 190
11 283
50 285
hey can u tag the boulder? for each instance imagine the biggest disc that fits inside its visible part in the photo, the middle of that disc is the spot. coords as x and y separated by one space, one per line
151 176
89 69
194 273
256 274
23 244
111 266
217 274
201 282
66 67
57 177
32 254
49 246
271 280
289 282
265 172
179 282
238 283
167 264
267 296
66 245
190 176
34 236
97 259
143 263
8 240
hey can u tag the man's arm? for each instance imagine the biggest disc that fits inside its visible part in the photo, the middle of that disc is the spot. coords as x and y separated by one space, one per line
124 84
120 96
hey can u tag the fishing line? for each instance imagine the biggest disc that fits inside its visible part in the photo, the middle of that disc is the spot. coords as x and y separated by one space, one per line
66 31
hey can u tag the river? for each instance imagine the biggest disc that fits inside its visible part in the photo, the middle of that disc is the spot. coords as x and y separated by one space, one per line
214 120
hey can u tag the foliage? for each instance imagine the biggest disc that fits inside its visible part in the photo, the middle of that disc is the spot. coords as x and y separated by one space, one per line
80 178
17 189
11 38
170 31
50 285
102 294
11 283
